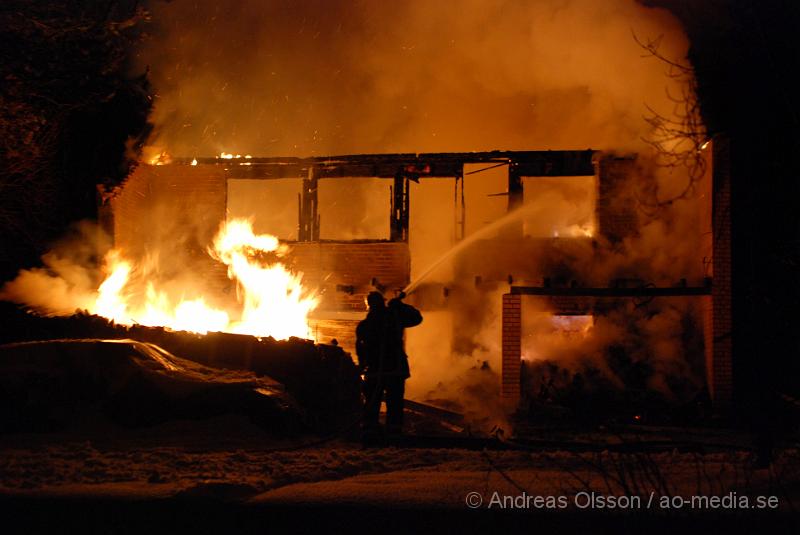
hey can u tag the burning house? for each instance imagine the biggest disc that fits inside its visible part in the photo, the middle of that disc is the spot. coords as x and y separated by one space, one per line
544 275
511 256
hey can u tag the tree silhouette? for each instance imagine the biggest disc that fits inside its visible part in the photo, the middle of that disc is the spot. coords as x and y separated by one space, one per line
70 115
678 140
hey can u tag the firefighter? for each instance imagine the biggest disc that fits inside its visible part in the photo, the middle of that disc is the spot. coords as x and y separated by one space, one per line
383 360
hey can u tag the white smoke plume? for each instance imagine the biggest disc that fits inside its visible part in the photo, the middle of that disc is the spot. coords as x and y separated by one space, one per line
69 276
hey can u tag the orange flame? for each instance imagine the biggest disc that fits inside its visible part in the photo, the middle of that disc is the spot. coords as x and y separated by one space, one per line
273 300
110 302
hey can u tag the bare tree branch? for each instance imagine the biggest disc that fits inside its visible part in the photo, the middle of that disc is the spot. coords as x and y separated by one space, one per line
678 140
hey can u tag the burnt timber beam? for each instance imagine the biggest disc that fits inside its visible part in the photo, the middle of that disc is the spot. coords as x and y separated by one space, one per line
678 291
308 228
400 209
413 166
514 187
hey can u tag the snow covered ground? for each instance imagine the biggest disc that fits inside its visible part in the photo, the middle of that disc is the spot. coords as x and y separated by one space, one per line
228 458
124 476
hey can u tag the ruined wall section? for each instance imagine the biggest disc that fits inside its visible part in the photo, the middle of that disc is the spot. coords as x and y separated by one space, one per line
343 271
511 367
173 211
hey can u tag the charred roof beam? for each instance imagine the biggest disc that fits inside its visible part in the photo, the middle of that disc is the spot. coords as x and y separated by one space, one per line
414 166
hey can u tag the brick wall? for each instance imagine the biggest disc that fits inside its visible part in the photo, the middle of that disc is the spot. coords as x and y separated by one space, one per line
328 265
127 207
510 388
174 209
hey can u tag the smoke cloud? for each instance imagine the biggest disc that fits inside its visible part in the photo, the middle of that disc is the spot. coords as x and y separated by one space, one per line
341 77
69 277
643 346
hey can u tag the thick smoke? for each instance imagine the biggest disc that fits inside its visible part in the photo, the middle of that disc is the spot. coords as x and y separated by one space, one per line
69 277
341 77
642 346
455 362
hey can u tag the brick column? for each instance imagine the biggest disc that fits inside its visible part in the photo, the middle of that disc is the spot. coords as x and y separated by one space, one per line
512 351
719 347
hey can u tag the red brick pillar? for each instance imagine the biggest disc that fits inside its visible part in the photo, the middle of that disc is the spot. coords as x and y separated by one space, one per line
719 365
512 351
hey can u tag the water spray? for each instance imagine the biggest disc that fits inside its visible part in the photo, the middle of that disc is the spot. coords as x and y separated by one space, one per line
508 218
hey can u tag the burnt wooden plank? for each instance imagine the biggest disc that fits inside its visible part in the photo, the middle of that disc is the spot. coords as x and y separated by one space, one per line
429 165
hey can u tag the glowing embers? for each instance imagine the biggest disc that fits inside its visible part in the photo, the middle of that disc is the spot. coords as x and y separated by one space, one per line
162 158
574 231
230 156
272 299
